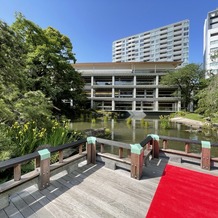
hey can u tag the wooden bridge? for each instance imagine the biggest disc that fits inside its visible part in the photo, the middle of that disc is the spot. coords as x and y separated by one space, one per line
94 182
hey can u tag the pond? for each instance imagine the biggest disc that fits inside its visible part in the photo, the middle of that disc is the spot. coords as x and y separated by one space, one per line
135 132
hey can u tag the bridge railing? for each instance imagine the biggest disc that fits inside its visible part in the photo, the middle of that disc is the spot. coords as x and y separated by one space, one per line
204 155
86 150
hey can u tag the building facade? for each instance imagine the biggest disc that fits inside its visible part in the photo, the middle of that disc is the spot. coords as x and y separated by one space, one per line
129 86
168 43
211 42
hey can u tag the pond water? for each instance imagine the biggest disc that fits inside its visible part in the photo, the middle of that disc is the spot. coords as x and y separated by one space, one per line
135 132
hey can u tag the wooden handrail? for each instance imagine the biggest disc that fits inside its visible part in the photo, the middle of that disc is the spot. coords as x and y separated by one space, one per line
113 143
189 141
146 141
28 157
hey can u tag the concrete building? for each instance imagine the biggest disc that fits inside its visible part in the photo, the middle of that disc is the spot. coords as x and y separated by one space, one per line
129 86
211 42
167 43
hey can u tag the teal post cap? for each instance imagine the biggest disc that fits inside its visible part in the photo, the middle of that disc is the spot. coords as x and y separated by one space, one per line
136 148
44 154
205 144
91 140
154 136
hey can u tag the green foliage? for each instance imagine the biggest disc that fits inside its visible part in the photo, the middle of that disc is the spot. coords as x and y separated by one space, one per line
129 120
144 123
12 58
105 118
36 74
49 59
25 138
189 80
208 103
164 122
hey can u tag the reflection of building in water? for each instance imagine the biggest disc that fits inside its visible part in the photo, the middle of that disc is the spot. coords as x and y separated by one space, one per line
133 86
156 126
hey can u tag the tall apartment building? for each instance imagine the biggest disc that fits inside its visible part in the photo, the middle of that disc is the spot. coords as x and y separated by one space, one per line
167 43
211 42
129 86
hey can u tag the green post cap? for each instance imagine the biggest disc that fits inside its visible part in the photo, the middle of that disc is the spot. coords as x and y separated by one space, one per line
155 137
205 144
44 154
136 148
91 140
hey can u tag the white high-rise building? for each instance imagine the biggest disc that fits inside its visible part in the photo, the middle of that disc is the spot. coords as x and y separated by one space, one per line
167 43
211 42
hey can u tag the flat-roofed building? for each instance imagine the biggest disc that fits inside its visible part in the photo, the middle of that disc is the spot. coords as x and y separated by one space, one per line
131 86
211 42
167 43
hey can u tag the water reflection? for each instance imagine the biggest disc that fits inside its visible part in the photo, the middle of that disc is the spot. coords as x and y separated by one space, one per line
135 132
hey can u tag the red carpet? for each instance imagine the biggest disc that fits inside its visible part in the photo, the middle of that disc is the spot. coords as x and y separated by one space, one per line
185 193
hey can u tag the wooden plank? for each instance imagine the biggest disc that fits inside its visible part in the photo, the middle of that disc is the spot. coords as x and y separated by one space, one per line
102 194
92 191
23 207
12 211
34 204
3 214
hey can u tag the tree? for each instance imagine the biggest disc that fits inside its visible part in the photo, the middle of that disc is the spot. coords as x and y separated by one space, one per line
15 99
11 56
188 80
49 64
208 103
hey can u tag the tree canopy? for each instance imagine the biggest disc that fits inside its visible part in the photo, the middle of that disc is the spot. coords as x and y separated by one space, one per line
49 57
36 72
208 103
188 80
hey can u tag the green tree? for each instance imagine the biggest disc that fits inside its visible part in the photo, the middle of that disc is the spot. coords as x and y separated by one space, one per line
15 99
12 58
49 64
208 98
189 80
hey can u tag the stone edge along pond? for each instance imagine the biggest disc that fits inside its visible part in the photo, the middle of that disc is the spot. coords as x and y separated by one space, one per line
188 122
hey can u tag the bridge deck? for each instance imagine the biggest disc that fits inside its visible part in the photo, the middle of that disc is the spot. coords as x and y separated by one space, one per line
91 191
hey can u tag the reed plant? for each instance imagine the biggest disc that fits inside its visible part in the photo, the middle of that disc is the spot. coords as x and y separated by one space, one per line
164 121
25 138
129 121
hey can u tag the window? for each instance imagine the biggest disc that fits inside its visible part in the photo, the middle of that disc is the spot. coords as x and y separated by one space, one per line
214 34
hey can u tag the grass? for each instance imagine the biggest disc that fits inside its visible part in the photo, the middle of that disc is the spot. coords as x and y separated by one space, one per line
194 116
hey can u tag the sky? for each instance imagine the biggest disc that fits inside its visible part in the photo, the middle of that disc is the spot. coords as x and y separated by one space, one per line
93 25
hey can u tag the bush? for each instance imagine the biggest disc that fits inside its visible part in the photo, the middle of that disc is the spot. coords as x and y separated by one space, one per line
164 122
25 138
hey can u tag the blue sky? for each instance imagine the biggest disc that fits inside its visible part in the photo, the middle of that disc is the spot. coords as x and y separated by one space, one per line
92 25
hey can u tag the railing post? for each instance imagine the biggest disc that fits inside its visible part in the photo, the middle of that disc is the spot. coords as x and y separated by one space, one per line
205 155
80 149
44 176
61 156
136 161
155 145
37 162
91 150
102 148
120 152
164 144
187 147
17 172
